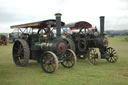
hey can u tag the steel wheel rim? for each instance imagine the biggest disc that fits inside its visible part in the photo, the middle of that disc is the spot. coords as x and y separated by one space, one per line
69 59
92 56
19 53
49 62
112 55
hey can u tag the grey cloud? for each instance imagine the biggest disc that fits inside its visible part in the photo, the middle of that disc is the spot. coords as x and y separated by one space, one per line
9 17
124 0
124 5
117 23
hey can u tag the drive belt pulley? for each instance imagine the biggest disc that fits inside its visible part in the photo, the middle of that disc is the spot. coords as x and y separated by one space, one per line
82 45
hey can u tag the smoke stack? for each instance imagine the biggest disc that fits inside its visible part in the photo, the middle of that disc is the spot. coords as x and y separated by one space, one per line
58 24
102 25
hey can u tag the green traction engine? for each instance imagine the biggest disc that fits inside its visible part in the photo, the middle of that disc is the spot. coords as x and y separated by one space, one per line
41 41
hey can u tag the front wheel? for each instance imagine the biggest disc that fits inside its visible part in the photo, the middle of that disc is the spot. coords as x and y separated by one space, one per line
112 55
69 59
49 62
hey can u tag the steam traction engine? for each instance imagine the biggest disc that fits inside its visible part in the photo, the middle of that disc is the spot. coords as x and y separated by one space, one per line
86 39
42 45
3 40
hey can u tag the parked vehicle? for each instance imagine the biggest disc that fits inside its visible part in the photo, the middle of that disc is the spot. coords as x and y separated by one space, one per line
87 39
41 44
3 40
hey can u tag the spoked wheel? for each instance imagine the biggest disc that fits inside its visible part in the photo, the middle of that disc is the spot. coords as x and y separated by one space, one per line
93 56
112 55
49 62
69 59
21 52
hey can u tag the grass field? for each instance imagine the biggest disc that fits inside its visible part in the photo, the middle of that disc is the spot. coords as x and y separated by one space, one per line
82 74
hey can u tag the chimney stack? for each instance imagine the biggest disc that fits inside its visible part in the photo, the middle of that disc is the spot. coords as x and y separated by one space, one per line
58 24
102 25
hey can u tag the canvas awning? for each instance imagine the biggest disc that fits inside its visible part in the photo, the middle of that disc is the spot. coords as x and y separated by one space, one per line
39 24
78 25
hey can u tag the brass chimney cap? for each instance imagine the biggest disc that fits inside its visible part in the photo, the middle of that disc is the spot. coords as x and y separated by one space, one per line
58 14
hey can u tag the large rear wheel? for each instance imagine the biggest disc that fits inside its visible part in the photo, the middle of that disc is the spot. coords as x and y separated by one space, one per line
49 62
21 52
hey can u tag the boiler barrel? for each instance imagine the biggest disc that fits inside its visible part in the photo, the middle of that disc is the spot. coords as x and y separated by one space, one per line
57 46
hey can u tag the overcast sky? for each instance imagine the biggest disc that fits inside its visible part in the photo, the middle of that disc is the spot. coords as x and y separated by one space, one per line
13 12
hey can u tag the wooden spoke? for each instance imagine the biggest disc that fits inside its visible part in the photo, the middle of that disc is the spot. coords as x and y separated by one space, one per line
93 56
49 62
69 59
112 55
21 52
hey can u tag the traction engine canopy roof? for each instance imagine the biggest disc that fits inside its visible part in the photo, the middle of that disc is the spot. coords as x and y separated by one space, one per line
78 25
39 24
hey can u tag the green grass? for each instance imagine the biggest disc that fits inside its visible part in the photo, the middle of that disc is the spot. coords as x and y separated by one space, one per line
82 74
